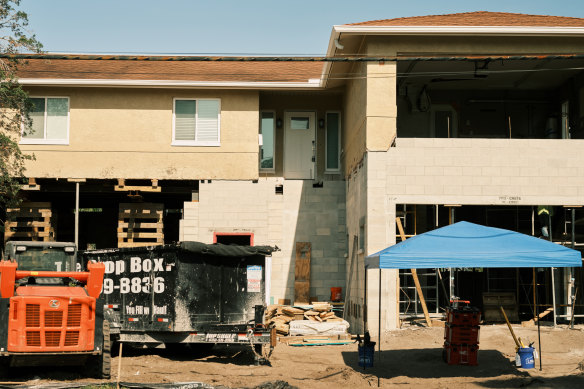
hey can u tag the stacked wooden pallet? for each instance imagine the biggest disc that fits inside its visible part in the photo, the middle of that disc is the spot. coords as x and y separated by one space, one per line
30 221
140 224
279 316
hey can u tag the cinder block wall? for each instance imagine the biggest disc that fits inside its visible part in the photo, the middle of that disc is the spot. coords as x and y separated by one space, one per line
356 211
466 172
484 171
367 209
301 214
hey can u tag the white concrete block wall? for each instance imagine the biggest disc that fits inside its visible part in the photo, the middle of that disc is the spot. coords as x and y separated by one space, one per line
301 214
485 171
356 212
466 172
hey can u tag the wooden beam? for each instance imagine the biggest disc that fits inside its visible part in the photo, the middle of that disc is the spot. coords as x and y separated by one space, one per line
532 322
138 188
32 185
415 276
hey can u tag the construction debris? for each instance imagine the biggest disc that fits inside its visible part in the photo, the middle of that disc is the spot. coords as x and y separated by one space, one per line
281 316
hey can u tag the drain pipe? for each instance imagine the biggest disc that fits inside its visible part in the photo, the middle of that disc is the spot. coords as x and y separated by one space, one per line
77 214
77 181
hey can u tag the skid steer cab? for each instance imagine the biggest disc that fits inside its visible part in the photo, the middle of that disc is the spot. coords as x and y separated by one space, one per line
48 311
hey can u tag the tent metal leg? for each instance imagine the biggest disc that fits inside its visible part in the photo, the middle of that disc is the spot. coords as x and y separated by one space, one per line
379 327
534 296
538 320
554 295
365 301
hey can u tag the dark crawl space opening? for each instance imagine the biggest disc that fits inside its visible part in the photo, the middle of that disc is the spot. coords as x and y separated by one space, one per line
99 207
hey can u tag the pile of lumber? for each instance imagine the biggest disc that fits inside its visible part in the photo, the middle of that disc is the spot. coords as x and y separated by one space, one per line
279 316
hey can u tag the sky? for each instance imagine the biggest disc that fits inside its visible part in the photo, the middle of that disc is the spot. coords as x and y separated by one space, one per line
238 27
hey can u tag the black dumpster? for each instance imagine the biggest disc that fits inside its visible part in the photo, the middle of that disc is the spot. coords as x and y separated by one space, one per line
185 293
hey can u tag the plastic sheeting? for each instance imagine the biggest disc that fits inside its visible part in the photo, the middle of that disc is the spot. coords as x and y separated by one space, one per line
466 245
224 250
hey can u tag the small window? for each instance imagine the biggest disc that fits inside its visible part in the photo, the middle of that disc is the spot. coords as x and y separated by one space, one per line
333 142
267 131
196 122
50 121
299 123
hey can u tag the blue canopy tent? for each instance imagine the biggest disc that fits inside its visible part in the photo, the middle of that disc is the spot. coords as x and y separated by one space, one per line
469 245
465 244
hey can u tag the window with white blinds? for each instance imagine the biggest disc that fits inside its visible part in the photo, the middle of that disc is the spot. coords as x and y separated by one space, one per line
196 122
49 121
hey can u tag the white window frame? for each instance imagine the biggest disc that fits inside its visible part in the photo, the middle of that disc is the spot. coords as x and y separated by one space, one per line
45 141
326 169
273 168
195 142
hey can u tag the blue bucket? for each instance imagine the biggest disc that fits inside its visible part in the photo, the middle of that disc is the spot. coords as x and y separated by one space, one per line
526 356
366 355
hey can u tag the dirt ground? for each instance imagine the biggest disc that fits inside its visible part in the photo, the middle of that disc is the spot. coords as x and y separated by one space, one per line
410 357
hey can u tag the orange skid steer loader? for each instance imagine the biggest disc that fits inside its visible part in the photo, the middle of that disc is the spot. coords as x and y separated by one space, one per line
51 318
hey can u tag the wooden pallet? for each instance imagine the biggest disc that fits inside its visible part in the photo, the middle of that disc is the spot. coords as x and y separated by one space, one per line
140 225
30 221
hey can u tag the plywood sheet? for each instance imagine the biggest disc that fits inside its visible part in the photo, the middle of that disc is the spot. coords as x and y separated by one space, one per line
302 273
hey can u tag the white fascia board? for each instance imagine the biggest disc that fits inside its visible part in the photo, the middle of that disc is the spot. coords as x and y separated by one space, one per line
310 84
451 30
330 52
460 30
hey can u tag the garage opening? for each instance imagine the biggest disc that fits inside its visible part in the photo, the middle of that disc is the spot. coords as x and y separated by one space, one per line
489 288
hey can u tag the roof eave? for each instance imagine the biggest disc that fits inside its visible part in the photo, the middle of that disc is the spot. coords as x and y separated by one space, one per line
444 31
311 84
460 30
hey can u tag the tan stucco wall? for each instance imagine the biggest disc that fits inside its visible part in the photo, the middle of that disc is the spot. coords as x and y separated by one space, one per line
355 105
127 133
381 105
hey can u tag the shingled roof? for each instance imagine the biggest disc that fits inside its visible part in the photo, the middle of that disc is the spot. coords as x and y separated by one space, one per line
479 18
173 70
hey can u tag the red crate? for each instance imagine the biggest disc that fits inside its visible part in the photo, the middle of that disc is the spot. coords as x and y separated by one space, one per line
469 317
454 334
460 354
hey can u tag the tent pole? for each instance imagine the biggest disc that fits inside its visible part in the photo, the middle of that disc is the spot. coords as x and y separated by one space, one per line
534 296
379 326
554 296
364 300
538 319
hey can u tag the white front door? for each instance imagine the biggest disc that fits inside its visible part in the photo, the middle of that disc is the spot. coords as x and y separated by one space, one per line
299 145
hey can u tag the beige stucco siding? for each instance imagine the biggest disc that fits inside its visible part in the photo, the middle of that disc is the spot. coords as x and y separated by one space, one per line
355 105
127 133
381 105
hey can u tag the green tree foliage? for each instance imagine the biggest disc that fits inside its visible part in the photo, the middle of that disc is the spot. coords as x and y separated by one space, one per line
14 102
